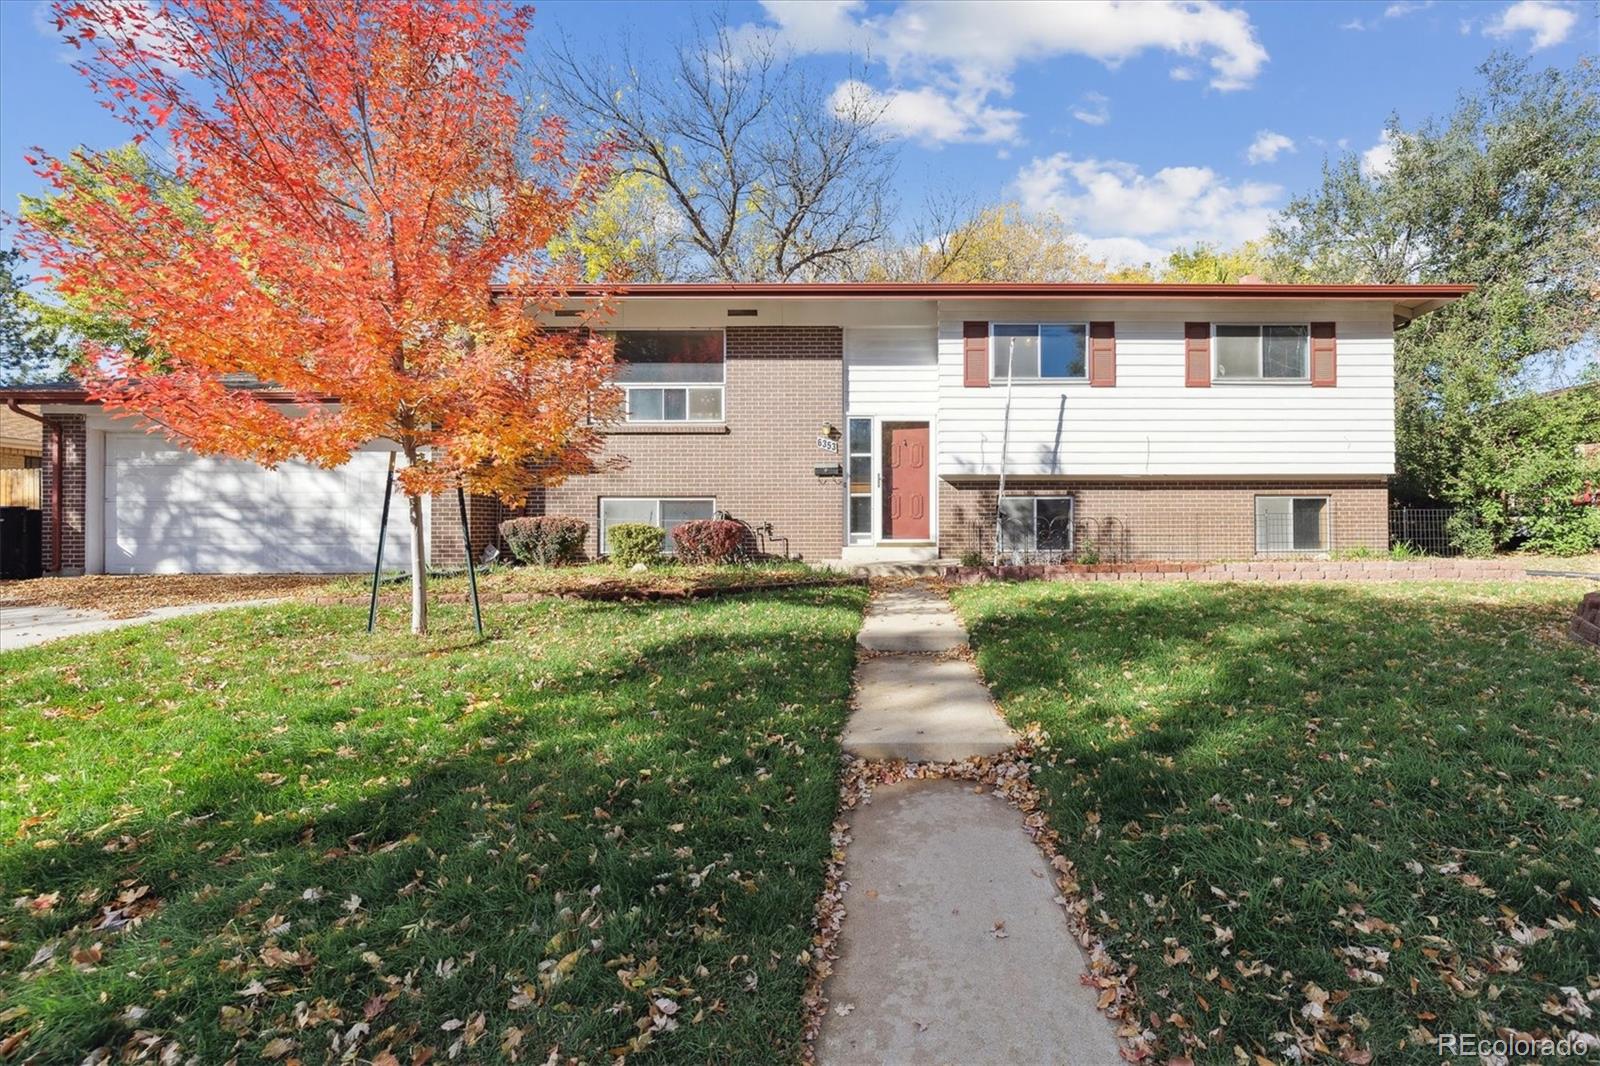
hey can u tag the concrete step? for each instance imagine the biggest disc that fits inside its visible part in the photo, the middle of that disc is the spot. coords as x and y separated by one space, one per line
923 710
914 619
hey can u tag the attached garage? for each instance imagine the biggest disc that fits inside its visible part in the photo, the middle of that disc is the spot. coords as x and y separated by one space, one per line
168 511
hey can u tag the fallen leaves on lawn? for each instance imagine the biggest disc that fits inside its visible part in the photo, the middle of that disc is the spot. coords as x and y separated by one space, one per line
128 596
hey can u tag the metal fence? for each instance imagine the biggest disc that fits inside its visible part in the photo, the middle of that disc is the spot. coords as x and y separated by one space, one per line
1425 530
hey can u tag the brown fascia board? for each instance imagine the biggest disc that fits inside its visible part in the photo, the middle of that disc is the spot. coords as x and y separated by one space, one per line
76 394
1422 296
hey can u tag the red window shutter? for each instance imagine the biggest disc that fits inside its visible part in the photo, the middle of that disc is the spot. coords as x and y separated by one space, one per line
1324 355
1102 353
1197 355
975 355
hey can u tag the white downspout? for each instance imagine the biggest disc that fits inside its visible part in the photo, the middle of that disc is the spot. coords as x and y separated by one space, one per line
1005 441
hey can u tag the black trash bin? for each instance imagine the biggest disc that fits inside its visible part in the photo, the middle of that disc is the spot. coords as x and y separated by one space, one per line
20 542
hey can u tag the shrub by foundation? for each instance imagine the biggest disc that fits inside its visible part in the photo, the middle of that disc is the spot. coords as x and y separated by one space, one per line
713 540
634 542
545 540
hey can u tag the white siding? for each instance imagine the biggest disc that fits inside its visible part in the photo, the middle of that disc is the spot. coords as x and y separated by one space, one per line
1150 423
891 370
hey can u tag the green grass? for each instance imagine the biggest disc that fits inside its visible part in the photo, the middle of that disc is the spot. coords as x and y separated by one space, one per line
604 820
1268 787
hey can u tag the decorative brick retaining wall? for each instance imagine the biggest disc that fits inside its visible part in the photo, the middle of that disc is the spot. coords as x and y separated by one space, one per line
1586 620
1276 570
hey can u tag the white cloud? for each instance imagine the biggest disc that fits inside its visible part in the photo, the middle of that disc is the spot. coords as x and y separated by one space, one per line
1129 216
930 115
969 50
1379 159
1404 8
1095 109
1267 146
1549 22
1182 74
1394 11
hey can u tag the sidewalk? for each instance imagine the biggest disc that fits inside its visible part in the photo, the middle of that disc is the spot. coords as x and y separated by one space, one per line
953 949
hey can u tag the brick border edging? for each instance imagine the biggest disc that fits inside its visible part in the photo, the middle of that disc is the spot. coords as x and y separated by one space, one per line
609 593
1297 570
1586 620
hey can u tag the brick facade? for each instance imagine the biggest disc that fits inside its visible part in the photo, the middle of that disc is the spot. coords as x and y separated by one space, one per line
783 383
1161 519
74 442
444 527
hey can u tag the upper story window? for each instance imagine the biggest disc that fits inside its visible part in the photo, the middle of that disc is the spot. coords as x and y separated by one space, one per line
1039 351
671 375
1262 353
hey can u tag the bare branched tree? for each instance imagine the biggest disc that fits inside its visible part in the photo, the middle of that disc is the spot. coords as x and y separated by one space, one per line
958 238
766 177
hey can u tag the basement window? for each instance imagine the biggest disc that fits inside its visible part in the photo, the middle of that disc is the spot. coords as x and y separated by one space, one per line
1030 525
1291 523
666 513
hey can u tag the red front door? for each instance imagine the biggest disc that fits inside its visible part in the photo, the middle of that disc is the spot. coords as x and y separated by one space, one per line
905 481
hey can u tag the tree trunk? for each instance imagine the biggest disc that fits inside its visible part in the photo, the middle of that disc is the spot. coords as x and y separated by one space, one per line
419 569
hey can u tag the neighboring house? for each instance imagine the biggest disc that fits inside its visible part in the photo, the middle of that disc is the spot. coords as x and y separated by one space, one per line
868 422
19 439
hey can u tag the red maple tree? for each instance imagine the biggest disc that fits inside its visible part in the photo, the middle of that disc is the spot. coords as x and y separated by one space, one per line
357 184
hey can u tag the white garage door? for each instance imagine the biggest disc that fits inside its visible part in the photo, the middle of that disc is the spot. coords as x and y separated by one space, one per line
169 511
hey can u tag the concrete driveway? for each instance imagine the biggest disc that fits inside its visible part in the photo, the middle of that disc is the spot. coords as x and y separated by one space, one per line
21 627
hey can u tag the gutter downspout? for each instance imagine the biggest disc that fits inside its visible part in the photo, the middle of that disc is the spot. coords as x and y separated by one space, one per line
55 488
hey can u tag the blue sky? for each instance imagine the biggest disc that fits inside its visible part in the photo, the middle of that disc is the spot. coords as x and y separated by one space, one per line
1145 125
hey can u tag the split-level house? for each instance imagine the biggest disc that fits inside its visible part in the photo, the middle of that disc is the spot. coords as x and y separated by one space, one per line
863 422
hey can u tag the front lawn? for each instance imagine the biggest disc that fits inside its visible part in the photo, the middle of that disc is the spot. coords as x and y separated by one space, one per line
263 833
602 580
1323 822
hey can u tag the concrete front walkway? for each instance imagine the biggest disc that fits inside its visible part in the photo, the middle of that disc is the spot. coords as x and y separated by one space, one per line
953 949
21 627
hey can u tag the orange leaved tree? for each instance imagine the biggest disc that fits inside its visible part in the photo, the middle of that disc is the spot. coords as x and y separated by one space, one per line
356 185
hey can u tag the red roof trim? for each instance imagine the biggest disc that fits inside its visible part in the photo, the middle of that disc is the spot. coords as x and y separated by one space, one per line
1120 290
47 394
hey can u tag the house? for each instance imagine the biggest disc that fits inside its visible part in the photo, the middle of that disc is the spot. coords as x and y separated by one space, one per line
868 422
19 440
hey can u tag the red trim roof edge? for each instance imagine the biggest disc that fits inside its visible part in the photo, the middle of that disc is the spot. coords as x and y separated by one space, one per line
1017 289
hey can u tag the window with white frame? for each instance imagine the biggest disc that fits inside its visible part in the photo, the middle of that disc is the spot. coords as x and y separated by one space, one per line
1262 353
666 513
1291 523
858 444
1031 524
1039 351
671 375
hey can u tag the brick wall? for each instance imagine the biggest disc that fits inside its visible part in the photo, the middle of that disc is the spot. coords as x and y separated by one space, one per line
1586 620
444 527
74 441
783 383
16 458
1165 519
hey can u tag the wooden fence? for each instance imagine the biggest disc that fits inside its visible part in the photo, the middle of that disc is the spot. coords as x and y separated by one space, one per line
20 488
